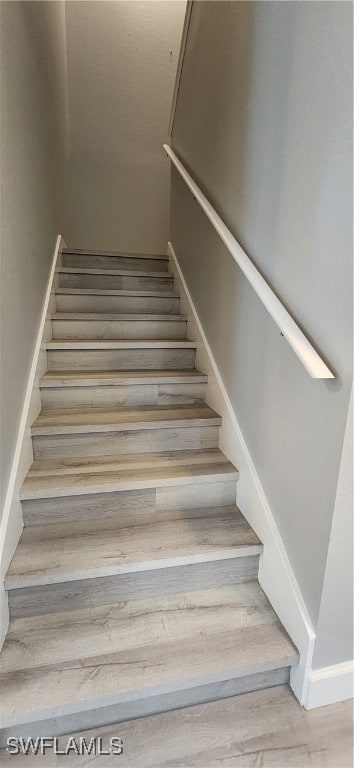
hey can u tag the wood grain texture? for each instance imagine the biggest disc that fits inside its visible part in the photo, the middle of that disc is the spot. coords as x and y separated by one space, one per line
218 491
125 507
112 292
68 420
129 441
119 354
265 728
119 388
119 280
118 396
111 272
115 261
97 432
130 255
118 329
74 476
64 596
84 550
119 302
121 358
126 510
130 507
111 378
140 317
165 462
97 344
103 631
179 641
118 713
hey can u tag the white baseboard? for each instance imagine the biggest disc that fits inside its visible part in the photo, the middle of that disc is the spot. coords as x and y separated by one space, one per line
276 575
11 522
330 684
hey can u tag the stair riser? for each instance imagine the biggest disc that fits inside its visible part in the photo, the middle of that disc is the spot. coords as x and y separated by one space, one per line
118 396
130 507
118 329
73 595
95 261
152 305
130 441
95 718
120 359
116 282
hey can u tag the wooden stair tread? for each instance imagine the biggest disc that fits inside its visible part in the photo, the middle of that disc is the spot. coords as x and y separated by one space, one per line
65 477
111 316
136 461
111 378
89 658
56 553
117 292
120 344
70 420
121 254
124 272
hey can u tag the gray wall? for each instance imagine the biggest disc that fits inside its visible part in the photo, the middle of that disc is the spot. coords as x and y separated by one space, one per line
122 59
34 159
334 643
263 123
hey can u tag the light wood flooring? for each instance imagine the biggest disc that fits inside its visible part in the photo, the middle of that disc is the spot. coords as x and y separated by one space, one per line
263 729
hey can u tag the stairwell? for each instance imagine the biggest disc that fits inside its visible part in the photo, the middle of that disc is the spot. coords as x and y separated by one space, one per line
133 589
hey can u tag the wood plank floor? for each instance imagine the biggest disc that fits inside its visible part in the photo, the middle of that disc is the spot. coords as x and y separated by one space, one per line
263 729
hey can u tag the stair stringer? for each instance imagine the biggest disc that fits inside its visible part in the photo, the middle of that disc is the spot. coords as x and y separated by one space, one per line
276 575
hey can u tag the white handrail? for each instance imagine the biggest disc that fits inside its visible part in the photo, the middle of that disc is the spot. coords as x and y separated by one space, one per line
312 361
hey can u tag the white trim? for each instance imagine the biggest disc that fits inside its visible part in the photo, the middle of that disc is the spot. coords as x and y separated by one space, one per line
329 685
11 522
276 575
304 350
182 51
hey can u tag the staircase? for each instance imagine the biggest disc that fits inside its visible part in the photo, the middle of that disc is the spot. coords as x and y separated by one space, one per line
133 588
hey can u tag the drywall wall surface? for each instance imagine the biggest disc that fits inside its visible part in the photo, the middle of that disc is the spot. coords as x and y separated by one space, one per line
34 163
122 60
264 124
334 642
